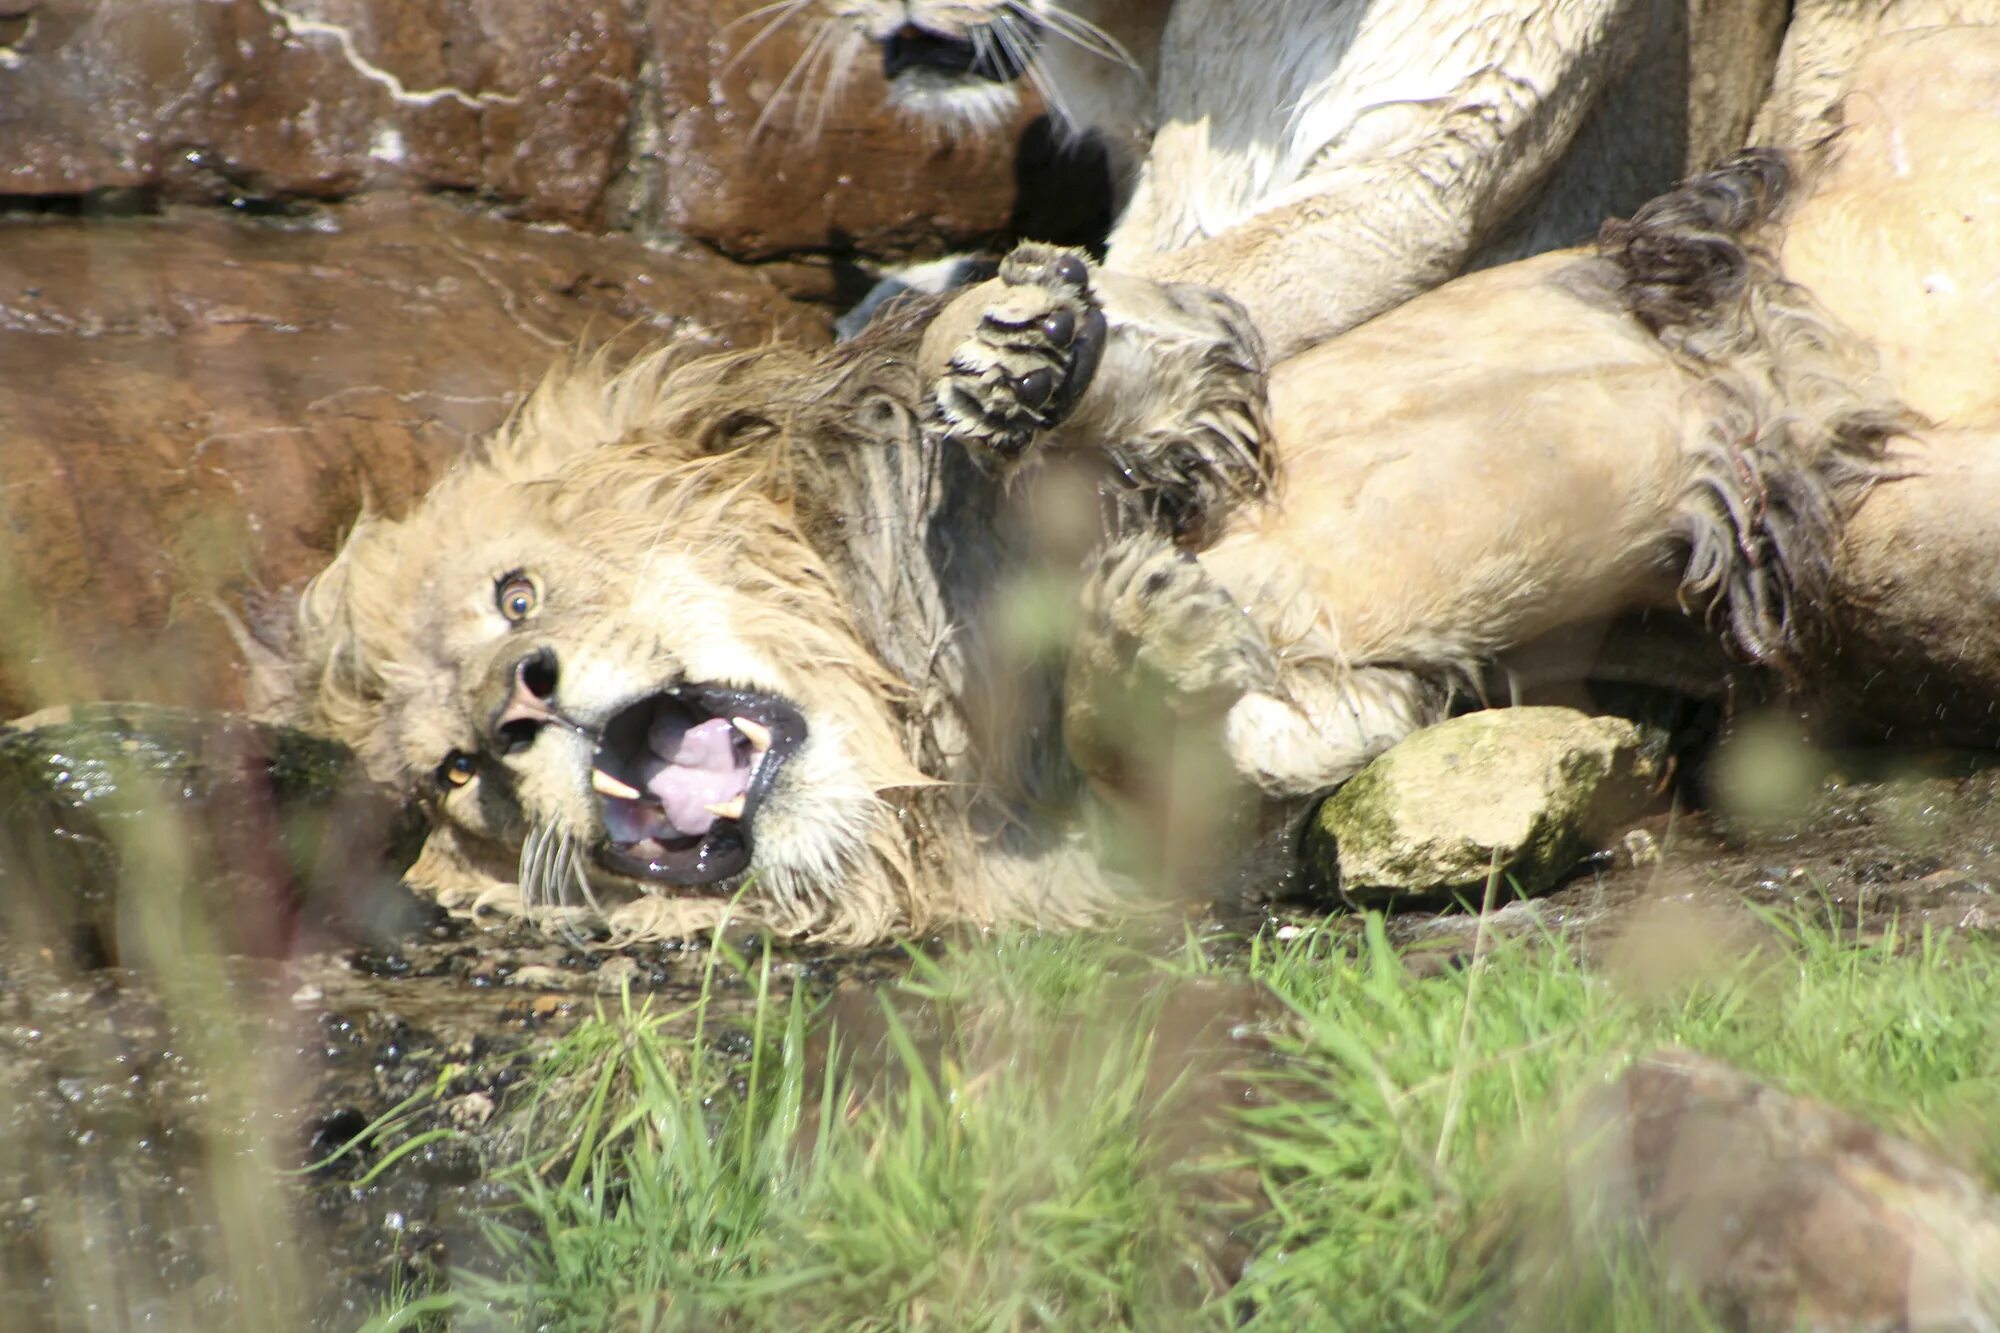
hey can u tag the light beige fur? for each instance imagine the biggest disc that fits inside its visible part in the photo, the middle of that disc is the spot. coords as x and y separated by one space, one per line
1825 42
1289 573
747 520
1901 237
1324 160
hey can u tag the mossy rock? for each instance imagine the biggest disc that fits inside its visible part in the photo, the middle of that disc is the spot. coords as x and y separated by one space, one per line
107 806
1530 788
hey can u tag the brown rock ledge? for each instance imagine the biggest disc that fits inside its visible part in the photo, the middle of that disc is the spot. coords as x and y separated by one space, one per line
192 406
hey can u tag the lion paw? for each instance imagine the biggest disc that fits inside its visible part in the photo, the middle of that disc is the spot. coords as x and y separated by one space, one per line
1030 359
1153 610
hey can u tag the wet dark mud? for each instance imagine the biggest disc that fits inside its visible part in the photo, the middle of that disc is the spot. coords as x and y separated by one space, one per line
213 990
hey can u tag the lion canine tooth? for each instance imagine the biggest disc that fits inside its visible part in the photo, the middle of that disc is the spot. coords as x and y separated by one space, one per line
729 809
605 785
756 733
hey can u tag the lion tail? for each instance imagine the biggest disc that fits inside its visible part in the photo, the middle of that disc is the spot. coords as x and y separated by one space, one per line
1803 414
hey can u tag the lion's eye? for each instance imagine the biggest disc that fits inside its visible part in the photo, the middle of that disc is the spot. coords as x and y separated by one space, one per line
517 597
457 769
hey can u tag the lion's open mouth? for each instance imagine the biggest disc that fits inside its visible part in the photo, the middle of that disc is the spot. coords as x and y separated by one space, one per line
680 776
914 53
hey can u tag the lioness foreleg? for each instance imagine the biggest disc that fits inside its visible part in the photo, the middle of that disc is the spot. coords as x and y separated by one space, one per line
1172 667
1165 380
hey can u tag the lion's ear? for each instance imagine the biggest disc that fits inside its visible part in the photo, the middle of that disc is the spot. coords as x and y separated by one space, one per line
333 674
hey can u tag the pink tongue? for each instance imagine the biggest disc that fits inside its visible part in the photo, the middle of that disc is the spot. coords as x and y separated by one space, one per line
691 768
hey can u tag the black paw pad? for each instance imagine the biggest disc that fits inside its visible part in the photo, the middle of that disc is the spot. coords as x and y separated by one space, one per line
1035 387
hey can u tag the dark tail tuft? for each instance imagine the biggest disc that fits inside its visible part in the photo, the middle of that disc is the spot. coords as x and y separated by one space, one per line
1683 255
1799 415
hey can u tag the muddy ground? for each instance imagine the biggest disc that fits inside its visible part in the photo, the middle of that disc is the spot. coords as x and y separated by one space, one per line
261 932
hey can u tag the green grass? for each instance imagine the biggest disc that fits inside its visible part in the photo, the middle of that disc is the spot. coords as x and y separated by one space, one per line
1038 1132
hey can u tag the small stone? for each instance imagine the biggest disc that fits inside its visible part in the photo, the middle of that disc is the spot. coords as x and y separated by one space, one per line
1526 790
616 972
1641 848
472 1110
308 995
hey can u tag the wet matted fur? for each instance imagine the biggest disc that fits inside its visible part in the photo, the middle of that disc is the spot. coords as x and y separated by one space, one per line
1324 160
794 581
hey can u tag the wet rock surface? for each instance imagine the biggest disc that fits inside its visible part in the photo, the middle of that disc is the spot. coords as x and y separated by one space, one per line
263 841
197 398
759 149
258 99
671 118
1517 792
195 405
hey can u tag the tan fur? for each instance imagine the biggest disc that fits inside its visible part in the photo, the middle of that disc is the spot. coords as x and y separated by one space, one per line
1514 454
1324 160
1825 42
1901 237
811 526
667 528
742 519
1297 583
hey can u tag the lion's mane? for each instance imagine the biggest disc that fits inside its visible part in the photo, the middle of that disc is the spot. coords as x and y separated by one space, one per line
797 471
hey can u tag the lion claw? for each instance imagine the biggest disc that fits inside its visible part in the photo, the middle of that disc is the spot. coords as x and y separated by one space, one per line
1028 363
1152 608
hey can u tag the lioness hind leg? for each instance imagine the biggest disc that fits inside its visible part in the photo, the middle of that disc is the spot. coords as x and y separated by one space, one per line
1032 354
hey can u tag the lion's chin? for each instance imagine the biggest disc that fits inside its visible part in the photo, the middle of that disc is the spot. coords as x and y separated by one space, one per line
680 776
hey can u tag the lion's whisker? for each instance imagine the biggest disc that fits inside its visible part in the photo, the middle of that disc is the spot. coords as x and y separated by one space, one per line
840 66
1086 36
787 11
530 868
822 74
1023 55
806 58
580 873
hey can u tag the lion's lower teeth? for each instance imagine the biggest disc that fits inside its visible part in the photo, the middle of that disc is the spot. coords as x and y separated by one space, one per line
729 809
605 785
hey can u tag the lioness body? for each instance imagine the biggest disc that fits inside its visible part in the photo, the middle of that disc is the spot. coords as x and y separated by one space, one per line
1324 160
779 583
1901 237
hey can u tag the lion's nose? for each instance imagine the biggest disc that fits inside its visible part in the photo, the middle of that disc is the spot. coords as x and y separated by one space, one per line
529 702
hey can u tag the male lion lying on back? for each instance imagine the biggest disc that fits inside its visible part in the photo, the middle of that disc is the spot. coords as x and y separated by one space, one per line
752 624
